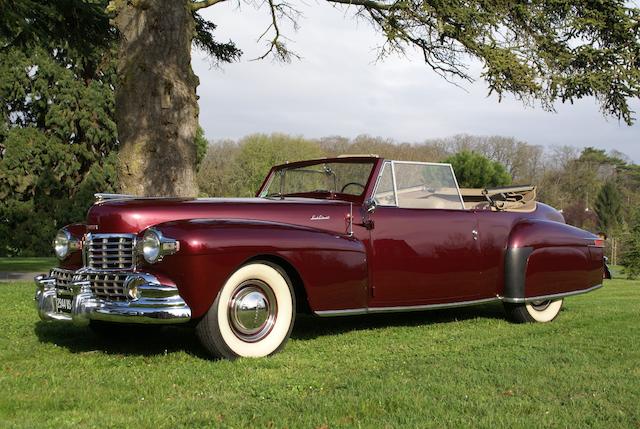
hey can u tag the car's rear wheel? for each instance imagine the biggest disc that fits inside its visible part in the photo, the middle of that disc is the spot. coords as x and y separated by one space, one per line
535 311
253 314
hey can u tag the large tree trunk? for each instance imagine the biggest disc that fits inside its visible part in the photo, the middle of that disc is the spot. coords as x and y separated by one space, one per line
156 103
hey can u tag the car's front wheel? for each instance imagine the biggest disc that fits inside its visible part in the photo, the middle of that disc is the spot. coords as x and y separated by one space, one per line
535 311
253 314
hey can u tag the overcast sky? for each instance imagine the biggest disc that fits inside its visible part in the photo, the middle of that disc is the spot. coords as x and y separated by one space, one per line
337 88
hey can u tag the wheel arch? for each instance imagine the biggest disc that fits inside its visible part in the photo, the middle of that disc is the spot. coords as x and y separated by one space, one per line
302 300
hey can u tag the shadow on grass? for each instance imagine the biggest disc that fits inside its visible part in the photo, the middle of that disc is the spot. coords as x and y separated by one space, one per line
310 327
152 341
122 339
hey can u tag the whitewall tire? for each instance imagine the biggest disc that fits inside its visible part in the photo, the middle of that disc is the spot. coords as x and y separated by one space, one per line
536 311
253 314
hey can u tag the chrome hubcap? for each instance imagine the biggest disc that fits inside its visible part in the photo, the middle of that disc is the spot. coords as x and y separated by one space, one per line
252 310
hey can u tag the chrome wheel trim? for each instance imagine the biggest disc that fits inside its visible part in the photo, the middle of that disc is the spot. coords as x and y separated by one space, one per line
541 305
252 310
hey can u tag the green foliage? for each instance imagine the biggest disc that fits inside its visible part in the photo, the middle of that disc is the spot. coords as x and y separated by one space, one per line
80 27
570 179
201 146
44 187
631 257
258 153
608 207
476 171
57 133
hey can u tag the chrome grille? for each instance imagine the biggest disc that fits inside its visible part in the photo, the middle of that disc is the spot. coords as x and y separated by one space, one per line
109 286
105 285
110 251
63 280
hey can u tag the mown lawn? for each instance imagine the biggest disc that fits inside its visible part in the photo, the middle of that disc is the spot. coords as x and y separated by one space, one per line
27 265
454 368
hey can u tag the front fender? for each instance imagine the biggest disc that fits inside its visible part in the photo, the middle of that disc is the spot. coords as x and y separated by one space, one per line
545 258
332 267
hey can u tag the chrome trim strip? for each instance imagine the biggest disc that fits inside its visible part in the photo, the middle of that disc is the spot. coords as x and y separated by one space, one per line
372 310
349 312
385 164
393 180
552 296
407 308
455 180
102 196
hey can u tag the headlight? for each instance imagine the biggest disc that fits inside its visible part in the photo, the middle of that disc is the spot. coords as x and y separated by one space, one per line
151 246
61 243
156 246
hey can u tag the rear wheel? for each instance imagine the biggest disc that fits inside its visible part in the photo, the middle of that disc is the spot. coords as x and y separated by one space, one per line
534 311
253 314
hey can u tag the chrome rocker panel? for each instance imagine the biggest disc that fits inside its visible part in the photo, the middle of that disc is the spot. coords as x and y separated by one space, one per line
157 304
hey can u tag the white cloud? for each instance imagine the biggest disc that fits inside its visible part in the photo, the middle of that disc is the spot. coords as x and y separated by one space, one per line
338 88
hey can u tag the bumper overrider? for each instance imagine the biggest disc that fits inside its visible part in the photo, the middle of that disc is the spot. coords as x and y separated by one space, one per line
149 302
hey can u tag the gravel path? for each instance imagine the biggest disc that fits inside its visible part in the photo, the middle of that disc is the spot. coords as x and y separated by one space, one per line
16 277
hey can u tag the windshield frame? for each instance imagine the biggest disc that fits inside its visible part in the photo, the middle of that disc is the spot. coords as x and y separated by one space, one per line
375 166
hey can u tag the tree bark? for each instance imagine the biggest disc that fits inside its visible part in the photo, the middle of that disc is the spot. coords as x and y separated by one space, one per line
156 102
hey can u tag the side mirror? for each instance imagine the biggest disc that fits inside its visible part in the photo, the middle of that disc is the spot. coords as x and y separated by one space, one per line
370 205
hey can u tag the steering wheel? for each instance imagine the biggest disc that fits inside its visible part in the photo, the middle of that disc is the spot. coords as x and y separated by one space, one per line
349 184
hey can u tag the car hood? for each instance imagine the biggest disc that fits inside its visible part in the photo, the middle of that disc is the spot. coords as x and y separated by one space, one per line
135 215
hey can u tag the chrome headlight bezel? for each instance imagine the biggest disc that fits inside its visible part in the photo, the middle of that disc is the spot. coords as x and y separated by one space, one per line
62 243
154 246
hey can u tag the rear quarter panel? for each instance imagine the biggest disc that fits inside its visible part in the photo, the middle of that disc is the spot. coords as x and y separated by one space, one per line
559 259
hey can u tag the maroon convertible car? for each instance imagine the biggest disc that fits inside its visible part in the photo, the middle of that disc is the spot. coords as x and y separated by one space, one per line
331 237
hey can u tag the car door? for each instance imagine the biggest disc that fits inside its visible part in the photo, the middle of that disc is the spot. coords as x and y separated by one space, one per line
424 246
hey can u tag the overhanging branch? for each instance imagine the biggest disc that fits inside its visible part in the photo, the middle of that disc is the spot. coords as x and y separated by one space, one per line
204 3
370 4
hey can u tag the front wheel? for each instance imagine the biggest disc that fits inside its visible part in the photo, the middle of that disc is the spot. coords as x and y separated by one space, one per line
253 314
535 311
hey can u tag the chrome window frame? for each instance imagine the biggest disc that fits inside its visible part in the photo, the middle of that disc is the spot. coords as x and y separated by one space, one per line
395 186
393 183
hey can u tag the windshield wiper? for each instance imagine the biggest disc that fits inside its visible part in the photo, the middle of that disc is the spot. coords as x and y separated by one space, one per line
275 195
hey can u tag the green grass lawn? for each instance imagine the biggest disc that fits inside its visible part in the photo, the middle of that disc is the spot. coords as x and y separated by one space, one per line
453 368
27 265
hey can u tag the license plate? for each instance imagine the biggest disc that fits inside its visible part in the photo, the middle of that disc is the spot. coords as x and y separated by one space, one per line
64 305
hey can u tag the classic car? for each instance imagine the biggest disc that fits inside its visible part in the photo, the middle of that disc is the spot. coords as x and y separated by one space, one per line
330 237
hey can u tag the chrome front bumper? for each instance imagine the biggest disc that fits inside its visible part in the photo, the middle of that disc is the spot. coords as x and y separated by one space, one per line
155 303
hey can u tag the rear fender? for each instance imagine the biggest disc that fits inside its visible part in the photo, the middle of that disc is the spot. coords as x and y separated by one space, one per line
550 259
332 267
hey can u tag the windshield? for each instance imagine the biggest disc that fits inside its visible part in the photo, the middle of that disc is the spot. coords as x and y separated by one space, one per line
319 180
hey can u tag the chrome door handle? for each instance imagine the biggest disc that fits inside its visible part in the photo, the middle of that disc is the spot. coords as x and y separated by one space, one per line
474 233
